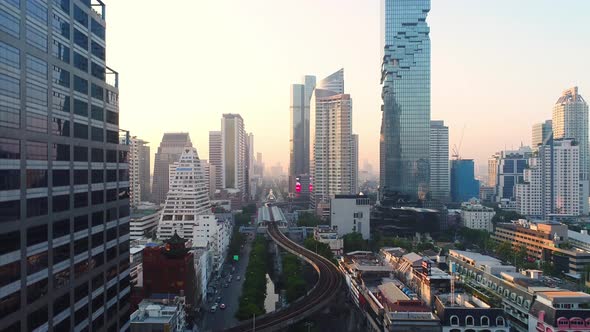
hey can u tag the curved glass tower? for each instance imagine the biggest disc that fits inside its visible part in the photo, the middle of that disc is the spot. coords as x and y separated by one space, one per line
405 79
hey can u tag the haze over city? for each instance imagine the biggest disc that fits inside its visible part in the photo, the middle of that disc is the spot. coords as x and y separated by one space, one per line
196 60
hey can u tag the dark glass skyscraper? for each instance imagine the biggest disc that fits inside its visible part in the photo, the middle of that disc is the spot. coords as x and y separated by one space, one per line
64 177
405 77
299 140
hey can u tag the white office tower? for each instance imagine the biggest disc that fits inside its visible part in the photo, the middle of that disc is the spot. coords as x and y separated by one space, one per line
213 234
215 159
570 121
440 185
331 133
233 156
551 186
187 199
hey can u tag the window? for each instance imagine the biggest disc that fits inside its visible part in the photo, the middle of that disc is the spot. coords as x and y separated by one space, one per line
123 175
469 321
80 200
61 203
80 153
37 9
80 130
61 77
98 71
111 175
61 177
61 228
9 23
80 16
97 197
80 176
80 245
80 85
9 179
61 152
97 176
10 94
10 304
97 92
63 5
10 242
80 39
9 148
9 210
9 56
97 50
112 117
97 29
80 107
61 26
36 178
80 62
36 207
61 253
60 127
36 122
111 195
61 303
36 95
36 67
97 113
112 98
37 38
97 155
80 223
111 156
36 151
112 137
60 51
97 218
36 263
97 134
485 321
36 235
37 318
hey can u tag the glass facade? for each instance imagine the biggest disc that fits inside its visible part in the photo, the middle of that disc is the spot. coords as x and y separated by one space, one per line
464 186
299 135
47 182
405 79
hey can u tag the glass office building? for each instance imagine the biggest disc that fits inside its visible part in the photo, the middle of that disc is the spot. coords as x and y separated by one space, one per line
64 180
405 79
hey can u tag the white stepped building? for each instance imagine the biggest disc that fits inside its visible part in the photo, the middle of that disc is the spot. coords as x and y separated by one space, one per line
187 210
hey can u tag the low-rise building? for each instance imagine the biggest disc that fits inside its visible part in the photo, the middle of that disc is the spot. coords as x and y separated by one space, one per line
476 216
547 241
463 312
213 233
327 235
144 220
156 316
560 311
351 214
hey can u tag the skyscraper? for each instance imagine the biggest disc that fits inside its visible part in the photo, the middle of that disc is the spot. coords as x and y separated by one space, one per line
439 161
405 79
145 176
168 153
570 120
299 140
215 158
355 163
331 132
510 165
464 186
64 180
541 131
551 186
135 188
233 155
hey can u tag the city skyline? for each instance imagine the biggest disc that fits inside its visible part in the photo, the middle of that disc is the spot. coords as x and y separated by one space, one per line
510 73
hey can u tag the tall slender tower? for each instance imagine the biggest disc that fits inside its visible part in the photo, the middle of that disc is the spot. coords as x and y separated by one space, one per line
144 169
168 153
355 163
541 131
440 184
405 79
215 159
64 180
331 131
299 140
570 120
233 157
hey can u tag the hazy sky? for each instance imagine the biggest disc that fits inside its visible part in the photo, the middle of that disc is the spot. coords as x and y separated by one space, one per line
497 66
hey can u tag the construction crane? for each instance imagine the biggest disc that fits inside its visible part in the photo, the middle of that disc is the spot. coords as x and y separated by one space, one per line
455 153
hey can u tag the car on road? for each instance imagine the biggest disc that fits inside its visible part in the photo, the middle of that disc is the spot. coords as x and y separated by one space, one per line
222 306
230 278
225 285
214 307
238 278
219 299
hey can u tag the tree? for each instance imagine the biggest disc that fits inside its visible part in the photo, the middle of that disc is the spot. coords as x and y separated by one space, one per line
308 220
322 249
505 216
504 251
353 242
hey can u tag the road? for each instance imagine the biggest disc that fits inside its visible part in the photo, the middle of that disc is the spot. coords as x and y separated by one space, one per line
222 319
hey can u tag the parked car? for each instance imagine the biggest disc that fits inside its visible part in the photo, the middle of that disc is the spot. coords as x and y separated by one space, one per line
214 307
238 278
219 299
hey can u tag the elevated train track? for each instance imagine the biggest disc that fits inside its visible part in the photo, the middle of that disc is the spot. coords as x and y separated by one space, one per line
323 293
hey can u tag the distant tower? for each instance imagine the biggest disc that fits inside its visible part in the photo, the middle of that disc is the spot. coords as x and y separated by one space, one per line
439 161
169 151
215 159
233 157
145 175
355 163
299 140
464 186
541 131
570 120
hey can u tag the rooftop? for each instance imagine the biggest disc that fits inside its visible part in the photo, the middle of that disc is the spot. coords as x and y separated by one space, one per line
392 293
564 296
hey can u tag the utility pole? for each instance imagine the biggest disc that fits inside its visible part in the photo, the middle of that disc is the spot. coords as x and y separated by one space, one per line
254 323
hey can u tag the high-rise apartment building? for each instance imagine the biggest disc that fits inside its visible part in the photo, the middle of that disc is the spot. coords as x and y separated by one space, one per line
405 79
551 184
64 180
233 156
215 159
168 153
570 120
299 140
464 186
251 179
541 131
188 197
134 184
439 161
331 132
509 167
355 163
145 175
